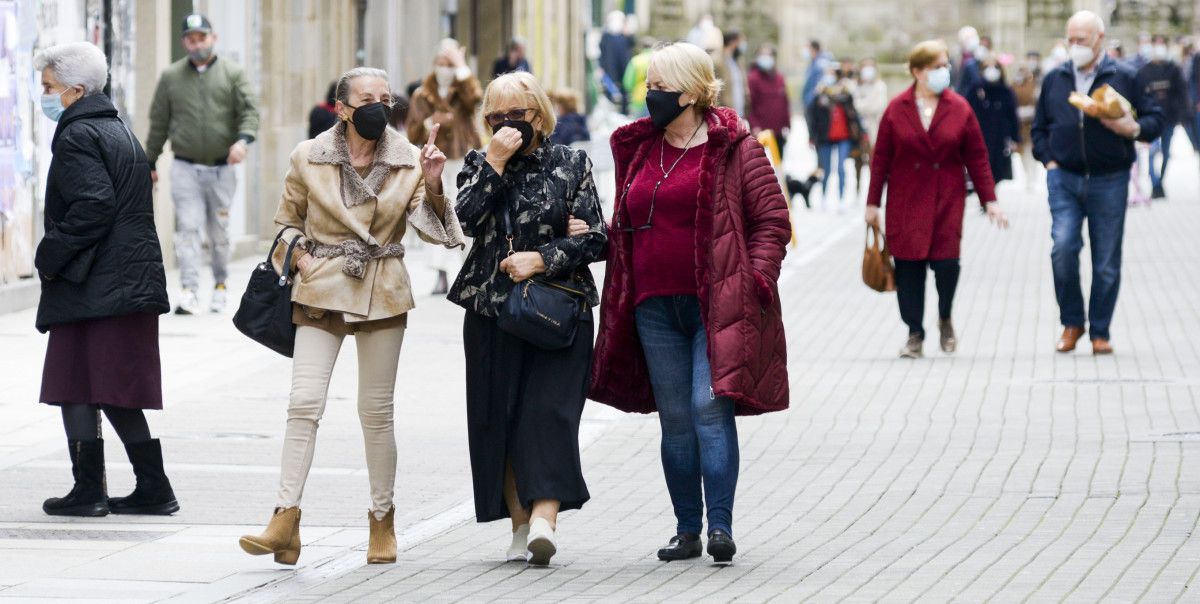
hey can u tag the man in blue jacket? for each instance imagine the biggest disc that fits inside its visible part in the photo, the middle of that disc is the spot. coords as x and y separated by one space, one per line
818 61
1088 163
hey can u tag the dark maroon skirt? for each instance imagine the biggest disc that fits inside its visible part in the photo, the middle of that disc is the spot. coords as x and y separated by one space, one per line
107 361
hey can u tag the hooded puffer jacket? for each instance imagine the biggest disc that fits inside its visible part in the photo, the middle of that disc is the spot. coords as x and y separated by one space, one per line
742 229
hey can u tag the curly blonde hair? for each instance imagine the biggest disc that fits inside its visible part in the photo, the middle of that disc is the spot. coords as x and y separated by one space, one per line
527 91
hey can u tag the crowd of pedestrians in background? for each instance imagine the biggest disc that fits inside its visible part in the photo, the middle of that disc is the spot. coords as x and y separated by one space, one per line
493 178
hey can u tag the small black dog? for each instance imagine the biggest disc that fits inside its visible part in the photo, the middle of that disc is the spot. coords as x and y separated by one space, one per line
802 187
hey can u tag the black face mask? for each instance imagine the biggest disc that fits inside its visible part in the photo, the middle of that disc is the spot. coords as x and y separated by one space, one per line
664 107
522 126
371 120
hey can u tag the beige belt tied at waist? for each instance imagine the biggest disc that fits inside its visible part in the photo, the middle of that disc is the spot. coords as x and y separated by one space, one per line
357 254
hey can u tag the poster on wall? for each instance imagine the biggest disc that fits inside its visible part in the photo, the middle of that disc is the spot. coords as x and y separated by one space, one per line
16 172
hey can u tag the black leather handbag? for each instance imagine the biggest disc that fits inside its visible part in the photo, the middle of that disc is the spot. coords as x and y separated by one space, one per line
265 314
544 312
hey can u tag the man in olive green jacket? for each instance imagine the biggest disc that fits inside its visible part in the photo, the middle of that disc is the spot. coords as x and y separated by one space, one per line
205 107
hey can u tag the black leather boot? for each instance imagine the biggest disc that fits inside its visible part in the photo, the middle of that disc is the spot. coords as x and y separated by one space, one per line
153 494
681 547
89 496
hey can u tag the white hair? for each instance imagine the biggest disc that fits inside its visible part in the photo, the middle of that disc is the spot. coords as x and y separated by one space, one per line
75 64
342 92
615 22
1087 15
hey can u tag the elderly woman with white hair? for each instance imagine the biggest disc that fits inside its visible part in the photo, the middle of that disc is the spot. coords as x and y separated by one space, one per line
103 287
348 199
691 325
531 206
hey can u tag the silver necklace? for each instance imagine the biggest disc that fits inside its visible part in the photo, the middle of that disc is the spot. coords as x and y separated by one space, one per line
686 147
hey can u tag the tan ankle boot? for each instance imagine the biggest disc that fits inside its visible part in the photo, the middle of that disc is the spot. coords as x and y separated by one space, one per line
281 538
382 547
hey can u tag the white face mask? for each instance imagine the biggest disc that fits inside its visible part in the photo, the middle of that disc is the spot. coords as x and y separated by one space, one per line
868 73
1146 50
444 75
1161 52
938 79
1081 56
992 74
982 53
766 62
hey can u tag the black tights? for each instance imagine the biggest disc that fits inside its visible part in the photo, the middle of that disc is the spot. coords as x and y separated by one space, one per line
910 289
82 422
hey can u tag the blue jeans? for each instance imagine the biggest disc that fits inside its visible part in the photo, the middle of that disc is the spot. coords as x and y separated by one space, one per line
699 435
825 162
1190 126
1162 145
1101 200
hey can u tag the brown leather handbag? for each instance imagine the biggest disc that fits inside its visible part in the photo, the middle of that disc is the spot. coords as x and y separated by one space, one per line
877 270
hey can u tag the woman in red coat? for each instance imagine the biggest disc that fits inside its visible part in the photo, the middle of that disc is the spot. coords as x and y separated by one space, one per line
927 136
769 105
690 322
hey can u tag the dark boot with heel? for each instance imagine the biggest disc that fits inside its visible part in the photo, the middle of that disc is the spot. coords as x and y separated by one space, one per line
89 496
153 494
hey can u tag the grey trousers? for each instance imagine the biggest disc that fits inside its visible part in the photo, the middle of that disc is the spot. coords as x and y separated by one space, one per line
378 359
202 196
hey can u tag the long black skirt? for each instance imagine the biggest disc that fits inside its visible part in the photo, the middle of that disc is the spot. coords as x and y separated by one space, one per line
523 406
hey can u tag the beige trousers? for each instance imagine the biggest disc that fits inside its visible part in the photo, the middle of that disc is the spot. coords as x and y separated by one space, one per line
315 354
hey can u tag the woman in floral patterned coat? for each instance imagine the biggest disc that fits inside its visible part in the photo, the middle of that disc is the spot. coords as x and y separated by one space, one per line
524 403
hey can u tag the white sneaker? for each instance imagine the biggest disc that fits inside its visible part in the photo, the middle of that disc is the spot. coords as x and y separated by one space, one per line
219 299
189 304
541 542
519 550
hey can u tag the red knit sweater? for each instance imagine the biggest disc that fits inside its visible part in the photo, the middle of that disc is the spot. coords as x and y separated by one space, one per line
664 256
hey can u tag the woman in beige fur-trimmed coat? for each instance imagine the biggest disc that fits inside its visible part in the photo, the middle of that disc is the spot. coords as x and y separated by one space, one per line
349 196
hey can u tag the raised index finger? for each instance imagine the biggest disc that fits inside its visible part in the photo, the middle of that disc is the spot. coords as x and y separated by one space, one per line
433 132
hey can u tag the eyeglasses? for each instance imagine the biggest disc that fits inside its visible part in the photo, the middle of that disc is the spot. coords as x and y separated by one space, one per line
499 117
649 215
387 102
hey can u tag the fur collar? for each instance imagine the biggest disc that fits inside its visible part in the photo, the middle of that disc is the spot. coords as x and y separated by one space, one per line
723 126
392 152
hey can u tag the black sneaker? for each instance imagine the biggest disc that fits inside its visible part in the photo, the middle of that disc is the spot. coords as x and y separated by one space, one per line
721 546
681 547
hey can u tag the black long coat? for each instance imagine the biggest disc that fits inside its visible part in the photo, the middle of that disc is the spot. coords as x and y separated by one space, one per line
995 106
100 256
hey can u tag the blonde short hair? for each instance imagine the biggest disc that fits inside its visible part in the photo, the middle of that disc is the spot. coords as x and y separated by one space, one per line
926 53
566 98
529 92
688 69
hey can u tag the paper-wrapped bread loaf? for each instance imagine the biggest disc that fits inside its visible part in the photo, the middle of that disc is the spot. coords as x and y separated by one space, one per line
1105 103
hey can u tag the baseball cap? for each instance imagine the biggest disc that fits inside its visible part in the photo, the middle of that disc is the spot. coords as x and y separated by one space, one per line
196 22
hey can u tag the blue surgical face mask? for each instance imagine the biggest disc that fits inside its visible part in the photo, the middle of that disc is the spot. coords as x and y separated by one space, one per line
938 79
52 106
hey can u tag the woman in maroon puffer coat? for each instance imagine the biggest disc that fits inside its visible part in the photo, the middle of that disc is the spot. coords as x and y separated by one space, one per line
690 322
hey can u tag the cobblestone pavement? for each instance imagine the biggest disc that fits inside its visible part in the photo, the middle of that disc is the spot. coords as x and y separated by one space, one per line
1005 471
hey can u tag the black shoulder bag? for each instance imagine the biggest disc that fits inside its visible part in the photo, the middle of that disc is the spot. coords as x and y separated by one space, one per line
542 311
265 314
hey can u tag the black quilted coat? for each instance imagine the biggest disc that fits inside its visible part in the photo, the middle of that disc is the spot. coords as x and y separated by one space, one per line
100 256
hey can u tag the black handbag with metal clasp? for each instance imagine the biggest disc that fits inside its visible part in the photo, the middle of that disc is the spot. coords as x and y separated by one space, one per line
544 312
265 314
